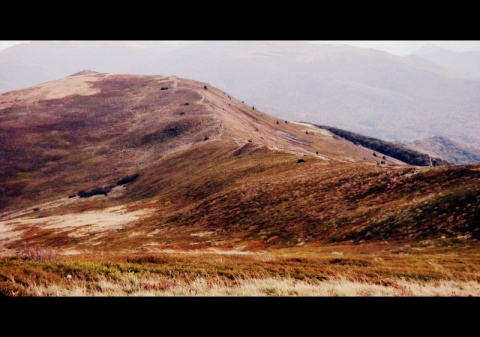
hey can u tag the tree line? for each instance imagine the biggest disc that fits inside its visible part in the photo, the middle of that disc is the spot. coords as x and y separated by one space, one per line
406 155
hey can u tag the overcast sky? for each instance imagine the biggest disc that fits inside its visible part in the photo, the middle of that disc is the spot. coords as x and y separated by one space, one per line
401 48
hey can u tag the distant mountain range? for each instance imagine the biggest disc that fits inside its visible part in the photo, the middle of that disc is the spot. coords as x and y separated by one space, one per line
363 90
466 63
446 149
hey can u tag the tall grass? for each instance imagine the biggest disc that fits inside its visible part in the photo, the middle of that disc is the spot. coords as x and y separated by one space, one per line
307 271
251 275
157 285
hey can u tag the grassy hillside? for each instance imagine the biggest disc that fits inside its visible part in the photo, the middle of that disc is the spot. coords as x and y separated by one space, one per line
122 184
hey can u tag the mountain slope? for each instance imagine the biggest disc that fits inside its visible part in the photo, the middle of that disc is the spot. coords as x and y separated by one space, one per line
100 162
445 148
89 126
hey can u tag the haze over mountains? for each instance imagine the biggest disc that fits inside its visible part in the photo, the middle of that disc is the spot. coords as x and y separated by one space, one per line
362 90
467 62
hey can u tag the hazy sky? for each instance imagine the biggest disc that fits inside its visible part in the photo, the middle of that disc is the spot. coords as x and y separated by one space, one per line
407 47
399 47
6 44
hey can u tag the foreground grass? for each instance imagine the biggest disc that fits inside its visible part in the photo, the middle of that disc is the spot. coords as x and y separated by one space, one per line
307 273
155 285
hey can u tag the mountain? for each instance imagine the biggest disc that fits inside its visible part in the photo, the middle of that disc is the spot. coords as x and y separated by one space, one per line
98 162
446 149
466 63
362 90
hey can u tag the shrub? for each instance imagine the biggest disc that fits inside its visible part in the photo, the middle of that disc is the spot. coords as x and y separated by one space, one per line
95 191
38 254
128 179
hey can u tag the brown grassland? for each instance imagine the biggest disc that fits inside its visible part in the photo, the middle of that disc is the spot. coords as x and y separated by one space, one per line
229 201
326 270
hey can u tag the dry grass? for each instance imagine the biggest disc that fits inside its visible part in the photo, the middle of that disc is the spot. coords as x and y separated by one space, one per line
320 273
154 285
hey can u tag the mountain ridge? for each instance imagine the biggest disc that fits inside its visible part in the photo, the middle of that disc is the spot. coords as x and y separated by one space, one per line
134 163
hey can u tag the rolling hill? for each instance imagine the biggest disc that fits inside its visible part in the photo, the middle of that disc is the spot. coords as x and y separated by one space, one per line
100 162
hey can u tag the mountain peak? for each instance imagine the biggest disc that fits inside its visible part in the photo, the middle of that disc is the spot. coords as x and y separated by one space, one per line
85 72
428 49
